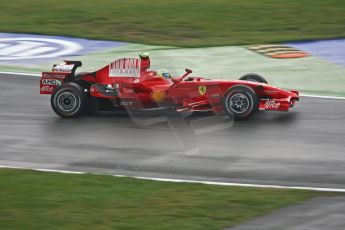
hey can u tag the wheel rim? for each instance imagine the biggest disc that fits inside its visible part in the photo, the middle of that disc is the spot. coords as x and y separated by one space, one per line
239 103
67 102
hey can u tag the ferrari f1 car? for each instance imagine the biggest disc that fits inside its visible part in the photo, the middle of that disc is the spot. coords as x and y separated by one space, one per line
129 84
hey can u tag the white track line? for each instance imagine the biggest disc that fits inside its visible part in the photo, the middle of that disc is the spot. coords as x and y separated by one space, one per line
325 97
319 189
23 74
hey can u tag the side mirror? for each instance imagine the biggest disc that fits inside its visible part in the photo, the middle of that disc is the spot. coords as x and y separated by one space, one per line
189 71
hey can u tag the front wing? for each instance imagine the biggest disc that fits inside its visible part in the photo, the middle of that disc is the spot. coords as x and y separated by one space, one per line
277 104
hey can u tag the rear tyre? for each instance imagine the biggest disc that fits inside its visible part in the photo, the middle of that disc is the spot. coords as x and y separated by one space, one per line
240 102
68 101
254 77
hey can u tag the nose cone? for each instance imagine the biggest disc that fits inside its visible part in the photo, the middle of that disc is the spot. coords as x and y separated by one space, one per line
294 94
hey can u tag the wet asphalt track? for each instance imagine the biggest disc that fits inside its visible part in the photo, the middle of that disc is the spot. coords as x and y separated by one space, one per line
305 147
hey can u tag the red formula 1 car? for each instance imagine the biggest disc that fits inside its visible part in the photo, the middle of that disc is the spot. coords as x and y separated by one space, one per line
128 84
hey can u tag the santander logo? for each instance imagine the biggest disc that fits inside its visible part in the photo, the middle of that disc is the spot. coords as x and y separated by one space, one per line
29 48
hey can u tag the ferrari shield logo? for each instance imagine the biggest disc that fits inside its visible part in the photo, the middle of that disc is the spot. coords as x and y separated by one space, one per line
202 90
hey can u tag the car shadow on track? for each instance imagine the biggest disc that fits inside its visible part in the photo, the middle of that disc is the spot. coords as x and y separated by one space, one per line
154 120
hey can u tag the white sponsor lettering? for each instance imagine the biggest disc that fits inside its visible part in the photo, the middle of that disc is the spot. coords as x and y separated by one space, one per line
126 103
271 91
51 82
47 89
58 76
63 67
272 104
126 67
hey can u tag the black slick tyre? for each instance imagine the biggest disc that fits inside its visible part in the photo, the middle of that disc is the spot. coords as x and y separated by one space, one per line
68 101
253 77
240 102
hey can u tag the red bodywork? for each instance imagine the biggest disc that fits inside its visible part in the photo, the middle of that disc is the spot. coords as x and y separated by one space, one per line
129 84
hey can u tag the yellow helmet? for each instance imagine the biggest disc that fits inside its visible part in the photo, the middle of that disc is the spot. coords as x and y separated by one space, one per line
163 73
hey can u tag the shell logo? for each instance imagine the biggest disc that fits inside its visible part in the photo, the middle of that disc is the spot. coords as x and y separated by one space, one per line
158 95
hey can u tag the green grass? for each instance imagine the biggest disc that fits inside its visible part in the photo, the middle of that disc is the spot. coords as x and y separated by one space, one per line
188 23
38 200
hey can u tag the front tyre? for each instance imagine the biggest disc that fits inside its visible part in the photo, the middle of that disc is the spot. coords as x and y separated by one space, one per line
68 101
240 102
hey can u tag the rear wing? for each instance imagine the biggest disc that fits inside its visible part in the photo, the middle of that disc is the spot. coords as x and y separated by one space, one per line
67 66
57 76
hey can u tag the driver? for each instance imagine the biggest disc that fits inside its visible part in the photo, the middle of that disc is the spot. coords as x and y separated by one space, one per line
165 74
